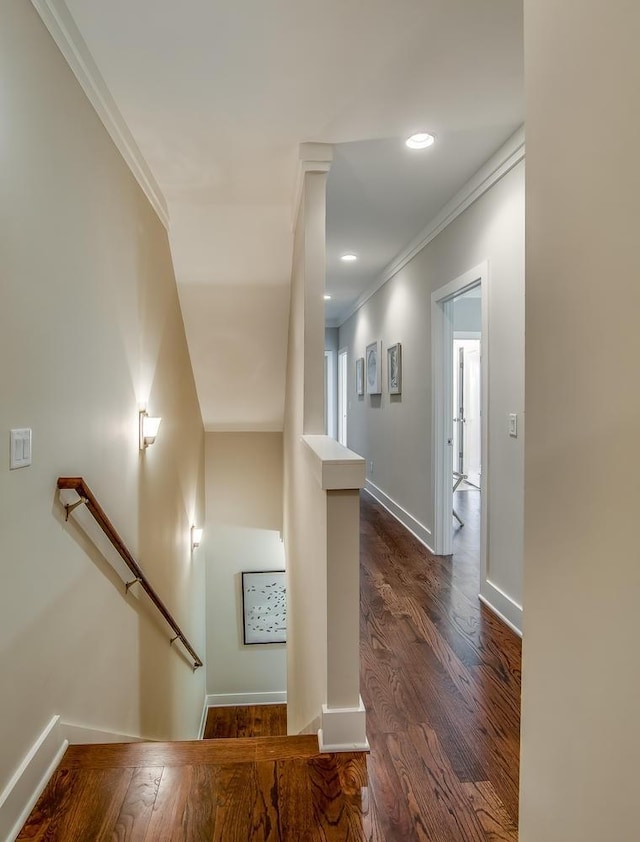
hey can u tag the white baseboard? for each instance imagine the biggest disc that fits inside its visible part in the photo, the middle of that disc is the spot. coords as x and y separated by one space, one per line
417 529
502 606
203 720
23 790
221 700
343 729
81 735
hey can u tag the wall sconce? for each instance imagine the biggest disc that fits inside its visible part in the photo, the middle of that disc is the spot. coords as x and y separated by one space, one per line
196 537
148 429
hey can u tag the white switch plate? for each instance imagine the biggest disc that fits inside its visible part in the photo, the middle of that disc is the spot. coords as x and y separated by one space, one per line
513 425
20 451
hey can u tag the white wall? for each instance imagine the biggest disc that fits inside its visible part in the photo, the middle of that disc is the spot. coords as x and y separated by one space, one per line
243 533
581 682
467 314
90 329
394 433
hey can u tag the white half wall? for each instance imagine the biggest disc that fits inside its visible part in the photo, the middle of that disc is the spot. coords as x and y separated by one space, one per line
394 432
243 533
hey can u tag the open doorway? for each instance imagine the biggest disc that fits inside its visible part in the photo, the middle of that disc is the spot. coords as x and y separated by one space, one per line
459 325
466 387
342 396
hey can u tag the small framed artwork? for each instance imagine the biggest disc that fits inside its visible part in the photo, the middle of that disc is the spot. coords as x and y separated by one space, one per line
360 376
373 359
264 607
394 368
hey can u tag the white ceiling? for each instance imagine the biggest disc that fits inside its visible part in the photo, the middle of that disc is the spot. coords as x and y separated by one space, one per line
218 95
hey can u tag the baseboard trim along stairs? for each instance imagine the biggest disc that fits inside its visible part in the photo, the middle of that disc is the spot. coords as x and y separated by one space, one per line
20 795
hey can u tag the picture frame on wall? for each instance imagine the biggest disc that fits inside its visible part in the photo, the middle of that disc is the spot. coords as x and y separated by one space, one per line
264 607
373 362
394 369
360 376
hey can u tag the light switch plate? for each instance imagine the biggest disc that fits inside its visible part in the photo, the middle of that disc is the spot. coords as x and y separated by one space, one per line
20 448
513 425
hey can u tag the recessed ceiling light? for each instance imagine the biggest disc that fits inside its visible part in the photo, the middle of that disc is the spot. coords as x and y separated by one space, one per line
327 298
349 258
420 140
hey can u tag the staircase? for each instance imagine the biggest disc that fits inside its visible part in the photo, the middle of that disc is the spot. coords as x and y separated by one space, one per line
233 790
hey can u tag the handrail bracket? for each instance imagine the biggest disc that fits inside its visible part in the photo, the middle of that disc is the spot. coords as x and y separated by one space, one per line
69 507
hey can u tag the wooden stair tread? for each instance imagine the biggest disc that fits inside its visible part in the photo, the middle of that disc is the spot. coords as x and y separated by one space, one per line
187 753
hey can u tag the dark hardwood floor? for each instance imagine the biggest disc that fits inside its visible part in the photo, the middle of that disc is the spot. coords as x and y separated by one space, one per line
279 789
246 721
440 679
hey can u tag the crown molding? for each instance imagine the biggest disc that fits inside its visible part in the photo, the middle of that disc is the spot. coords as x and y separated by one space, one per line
504 160
62 28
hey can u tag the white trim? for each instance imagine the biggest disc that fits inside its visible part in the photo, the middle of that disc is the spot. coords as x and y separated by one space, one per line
312 157
223 700
203 719
500 604
30 778
81 735
62 28
504 160
343 729
417 529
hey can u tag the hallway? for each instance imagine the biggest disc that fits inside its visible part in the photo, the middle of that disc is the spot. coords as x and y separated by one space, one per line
440 679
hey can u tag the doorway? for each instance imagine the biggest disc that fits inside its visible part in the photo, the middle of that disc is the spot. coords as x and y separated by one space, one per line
460 359
342 396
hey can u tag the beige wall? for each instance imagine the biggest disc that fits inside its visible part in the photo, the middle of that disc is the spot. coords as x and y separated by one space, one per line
243 533
581 690
304 501
90 329
395 432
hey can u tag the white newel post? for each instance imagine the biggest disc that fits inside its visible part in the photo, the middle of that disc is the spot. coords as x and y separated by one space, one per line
341 474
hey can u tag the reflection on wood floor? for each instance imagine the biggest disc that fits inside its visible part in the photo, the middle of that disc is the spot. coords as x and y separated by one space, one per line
440 679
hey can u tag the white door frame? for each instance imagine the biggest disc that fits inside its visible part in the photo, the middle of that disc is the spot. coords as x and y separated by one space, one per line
442 400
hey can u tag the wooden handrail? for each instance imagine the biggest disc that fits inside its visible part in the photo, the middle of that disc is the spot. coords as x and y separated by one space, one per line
78 485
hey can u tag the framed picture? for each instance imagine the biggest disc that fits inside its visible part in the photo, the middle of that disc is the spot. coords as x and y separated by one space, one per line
360 376
264 607
373 359
394 368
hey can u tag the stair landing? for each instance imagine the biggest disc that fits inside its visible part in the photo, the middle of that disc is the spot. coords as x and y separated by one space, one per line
280 789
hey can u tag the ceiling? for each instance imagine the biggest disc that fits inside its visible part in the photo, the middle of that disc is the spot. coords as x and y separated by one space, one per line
218 95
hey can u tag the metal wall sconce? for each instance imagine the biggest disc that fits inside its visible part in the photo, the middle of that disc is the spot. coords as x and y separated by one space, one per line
148 429
196 537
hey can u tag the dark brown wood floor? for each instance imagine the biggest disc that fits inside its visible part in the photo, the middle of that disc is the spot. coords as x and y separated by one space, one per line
440 678
279 789
246 721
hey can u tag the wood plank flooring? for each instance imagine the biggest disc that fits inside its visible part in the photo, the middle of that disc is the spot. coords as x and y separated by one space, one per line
440 677
279 789
246 721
